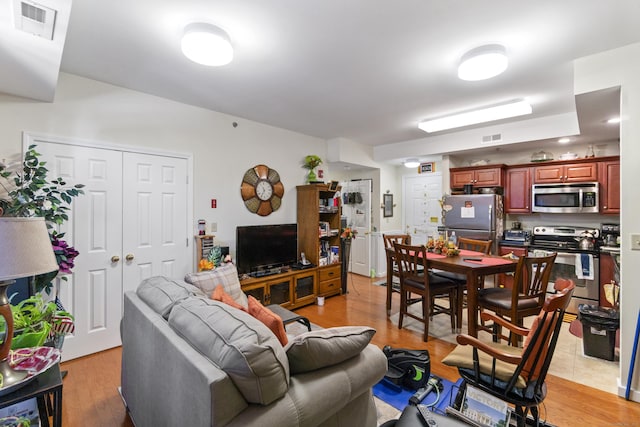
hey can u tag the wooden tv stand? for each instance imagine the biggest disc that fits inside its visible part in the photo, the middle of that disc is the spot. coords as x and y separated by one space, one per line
294 288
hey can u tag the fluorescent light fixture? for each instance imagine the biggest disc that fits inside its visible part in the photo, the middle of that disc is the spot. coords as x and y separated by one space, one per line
411 163
483 63
564 140
206 44
613 120
497 112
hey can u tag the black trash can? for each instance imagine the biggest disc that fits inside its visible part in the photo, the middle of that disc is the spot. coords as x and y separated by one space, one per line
599 326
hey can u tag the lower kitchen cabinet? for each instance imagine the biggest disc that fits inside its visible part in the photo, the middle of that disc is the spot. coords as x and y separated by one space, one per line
607 275
505 280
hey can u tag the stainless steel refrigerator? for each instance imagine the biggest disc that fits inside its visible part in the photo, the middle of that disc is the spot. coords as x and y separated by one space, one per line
475 216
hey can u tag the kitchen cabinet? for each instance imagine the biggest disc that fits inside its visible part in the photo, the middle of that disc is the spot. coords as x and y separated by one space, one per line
291 289
567 172
607 271
479 176
505 280
517 194
609 173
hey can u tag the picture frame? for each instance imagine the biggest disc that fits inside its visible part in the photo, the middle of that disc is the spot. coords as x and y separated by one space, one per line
387 205
427 167
333 185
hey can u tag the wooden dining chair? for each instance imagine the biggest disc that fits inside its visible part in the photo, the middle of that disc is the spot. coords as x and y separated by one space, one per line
415 278
483 246
389 240
524 299
516 376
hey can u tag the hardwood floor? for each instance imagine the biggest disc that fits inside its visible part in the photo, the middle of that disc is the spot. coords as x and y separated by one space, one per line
90 392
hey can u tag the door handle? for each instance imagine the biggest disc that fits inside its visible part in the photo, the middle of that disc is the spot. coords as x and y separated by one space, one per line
129 257
115 259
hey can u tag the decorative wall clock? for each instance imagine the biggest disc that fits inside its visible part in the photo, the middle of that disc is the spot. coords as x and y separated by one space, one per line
262 190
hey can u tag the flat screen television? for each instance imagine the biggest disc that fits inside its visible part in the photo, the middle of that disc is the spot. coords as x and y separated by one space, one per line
263 249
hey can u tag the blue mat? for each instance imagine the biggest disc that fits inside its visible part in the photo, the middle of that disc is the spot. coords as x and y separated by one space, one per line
399 398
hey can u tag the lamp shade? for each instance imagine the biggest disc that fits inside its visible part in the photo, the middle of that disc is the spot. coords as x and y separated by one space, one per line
25 248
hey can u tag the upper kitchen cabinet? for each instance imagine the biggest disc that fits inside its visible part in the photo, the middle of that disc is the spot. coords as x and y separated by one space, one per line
567 172
517 190
609 187
478 176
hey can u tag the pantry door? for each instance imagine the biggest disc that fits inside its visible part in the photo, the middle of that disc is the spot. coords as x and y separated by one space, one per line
422 212
130 224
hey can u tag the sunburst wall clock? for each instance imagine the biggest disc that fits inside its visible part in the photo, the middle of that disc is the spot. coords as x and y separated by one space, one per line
262 190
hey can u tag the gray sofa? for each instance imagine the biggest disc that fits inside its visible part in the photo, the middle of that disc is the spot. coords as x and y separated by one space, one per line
189 360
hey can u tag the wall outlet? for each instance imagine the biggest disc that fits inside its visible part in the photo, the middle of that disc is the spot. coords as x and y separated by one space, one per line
635 242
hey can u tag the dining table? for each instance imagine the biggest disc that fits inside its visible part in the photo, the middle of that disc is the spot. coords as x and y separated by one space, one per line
475 265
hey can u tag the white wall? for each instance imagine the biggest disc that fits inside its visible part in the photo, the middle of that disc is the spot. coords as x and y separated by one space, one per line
90 110
621 67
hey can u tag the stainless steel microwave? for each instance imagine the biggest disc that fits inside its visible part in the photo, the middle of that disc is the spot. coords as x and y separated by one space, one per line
578 197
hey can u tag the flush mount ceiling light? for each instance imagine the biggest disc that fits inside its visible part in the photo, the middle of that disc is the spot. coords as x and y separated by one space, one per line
564 140
411 163
496 112
483 63
613 120
206 44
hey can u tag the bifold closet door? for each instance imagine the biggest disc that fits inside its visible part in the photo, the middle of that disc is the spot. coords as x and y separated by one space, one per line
130 224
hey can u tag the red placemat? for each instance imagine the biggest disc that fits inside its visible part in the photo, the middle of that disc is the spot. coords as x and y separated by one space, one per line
431 255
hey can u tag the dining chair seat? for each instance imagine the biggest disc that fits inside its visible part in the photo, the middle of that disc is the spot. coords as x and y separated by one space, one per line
500 298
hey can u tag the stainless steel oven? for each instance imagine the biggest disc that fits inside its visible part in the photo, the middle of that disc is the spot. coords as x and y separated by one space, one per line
563 240
587 291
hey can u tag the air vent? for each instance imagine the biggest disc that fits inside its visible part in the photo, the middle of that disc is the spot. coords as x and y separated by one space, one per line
34 18
488 139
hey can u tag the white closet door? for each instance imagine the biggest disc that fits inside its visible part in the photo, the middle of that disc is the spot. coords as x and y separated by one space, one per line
93 293
155 218
131 223
358 214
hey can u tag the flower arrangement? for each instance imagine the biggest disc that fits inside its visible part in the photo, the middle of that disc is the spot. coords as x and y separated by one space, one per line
441 247
349 233
311 162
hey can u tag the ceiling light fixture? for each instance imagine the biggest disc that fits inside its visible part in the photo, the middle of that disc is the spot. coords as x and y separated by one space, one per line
489 114
411 163
564 140
483 63
206 44
613 120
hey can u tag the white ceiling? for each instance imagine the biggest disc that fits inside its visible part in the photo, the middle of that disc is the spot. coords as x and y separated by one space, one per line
364 70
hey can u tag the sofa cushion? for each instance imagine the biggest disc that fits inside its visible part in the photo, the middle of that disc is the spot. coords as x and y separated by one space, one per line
325 347
269 318
161 294
225 275
239 344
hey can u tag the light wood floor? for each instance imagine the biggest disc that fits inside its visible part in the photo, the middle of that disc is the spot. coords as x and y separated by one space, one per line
90 395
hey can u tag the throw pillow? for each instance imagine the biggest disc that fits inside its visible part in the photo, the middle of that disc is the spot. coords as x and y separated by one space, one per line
161 294
220 295
236 342
326 347
269 318
225 275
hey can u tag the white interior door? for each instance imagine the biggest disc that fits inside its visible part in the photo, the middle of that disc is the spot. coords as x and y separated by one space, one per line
131 223
93 292
422 212
155 224
357 210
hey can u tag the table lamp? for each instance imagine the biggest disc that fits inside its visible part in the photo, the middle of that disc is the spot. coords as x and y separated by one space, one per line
25 250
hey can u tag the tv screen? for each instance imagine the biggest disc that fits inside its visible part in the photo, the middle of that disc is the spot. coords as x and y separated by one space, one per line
260 248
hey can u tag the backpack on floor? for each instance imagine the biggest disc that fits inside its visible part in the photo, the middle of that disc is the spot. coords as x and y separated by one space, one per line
408 368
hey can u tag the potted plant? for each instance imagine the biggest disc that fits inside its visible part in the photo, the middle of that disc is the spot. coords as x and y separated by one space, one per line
311 162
